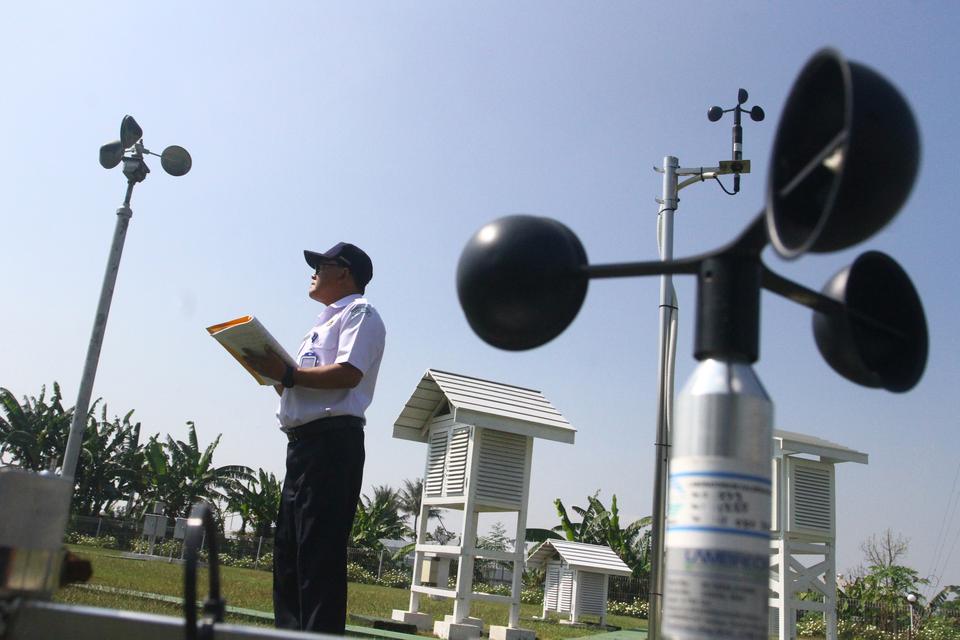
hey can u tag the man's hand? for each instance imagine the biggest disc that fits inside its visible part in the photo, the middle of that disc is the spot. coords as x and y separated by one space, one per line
267 364
330 376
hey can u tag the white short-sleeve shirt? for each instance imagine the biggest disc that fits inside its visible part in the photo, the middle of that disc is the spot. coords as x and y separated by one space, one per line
348 330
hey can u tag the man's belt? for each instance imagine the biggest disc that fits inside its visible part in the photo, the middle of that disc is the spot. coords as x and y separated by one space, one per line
322 425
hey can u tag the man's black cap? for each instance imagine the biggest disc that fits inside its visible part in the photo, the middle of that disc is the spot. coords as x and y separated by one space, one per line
350 256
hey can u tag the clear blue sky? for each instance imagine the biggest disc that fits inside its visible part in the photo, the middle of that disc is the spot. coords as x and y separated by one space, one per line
405 126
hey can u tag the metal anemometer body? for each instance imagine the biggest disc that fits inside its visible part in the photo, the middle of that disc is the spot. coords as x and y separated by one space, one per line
844 160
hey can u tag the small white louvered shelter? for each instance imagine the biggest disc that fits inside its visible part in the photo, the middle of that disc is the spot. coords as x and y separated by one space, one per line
480 442
804 533
576 577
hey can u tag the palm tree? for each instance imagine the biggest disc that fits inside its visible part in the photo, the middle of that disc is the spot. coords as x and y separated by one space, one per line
409 499
441 535
257 503
179 474
377 518
593 524
34 434
110 460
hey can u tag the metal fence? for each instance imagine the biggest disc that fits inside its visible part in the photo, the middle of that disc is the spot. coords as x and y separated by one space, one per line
880 621
127 535
246 550
627 589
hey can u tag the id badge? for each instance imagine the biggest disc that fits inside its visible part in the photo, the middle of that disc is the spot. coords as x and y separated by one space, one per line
309 359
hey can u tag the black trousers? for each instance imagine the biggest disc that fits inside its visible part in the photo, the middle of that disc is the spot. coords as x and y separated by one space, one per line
317 506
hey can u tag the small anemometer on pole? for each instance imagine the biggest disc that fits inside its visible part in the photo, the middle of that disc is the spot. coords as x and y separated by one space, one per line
174 160
844 159
130 150
736 165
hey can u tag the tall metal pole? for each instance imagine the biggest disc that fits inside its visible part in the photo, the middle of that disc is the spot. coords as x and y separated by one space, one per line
667 336
79 421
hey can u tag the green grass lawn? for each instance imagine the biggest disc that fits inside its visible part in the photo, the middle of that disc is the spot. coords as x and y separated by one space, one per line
251 589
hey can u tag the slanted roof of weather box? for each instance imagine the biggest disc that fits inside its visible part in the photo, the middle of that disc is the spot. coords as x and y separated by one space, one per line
789 442
586 557
482 403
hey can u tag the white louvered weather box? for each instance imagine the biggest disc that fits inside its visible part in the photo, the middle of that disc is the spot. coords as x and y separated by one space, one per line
576 576
804 530
810 497
479 436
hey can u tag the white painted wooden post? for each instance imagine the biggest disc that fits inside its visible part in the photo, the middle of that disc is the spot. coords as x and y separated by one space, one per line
779 547
418 555
575 597
783 588
468 543
468 549
830 578
520 541
603 598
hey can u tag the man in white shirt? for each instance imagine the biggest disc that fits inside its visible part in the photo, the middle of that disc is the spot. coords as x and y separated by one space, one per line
322 404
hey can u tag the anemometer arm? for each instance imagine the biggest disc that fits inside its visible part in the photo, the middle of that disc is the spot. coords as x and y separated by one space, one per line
794 292
747 248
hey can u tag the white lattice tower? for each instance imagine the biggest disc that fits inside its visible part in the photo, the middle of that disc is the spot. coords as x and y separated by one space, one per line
803 536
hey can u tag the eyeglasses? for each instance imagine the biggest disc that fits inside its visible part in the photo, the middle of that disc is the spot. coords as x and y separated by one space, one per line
320 266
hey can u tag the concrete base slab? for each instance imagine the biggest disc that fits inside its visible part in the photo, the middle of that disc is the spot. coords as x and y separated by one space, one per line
454 631
424 621
477 622
571 623
383 624
498 632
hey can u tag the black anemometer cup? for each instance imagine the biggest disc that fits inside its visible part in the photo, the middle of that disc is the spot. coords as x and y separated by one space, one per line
176 161
880 338
844 158
130 132
520 281
111 154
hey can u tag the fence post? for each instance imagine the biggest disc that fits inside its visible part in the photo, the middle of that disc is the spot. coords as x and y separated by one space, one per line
256 563
380 567
99 523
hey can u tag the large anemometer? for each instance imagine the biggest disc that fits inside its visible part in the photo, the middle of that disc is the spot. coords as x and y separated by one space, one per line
844 160
128 149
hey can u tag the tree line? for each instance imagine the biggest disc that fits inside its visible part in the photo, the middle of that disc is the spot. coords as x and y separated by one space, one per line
122 473
119 472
